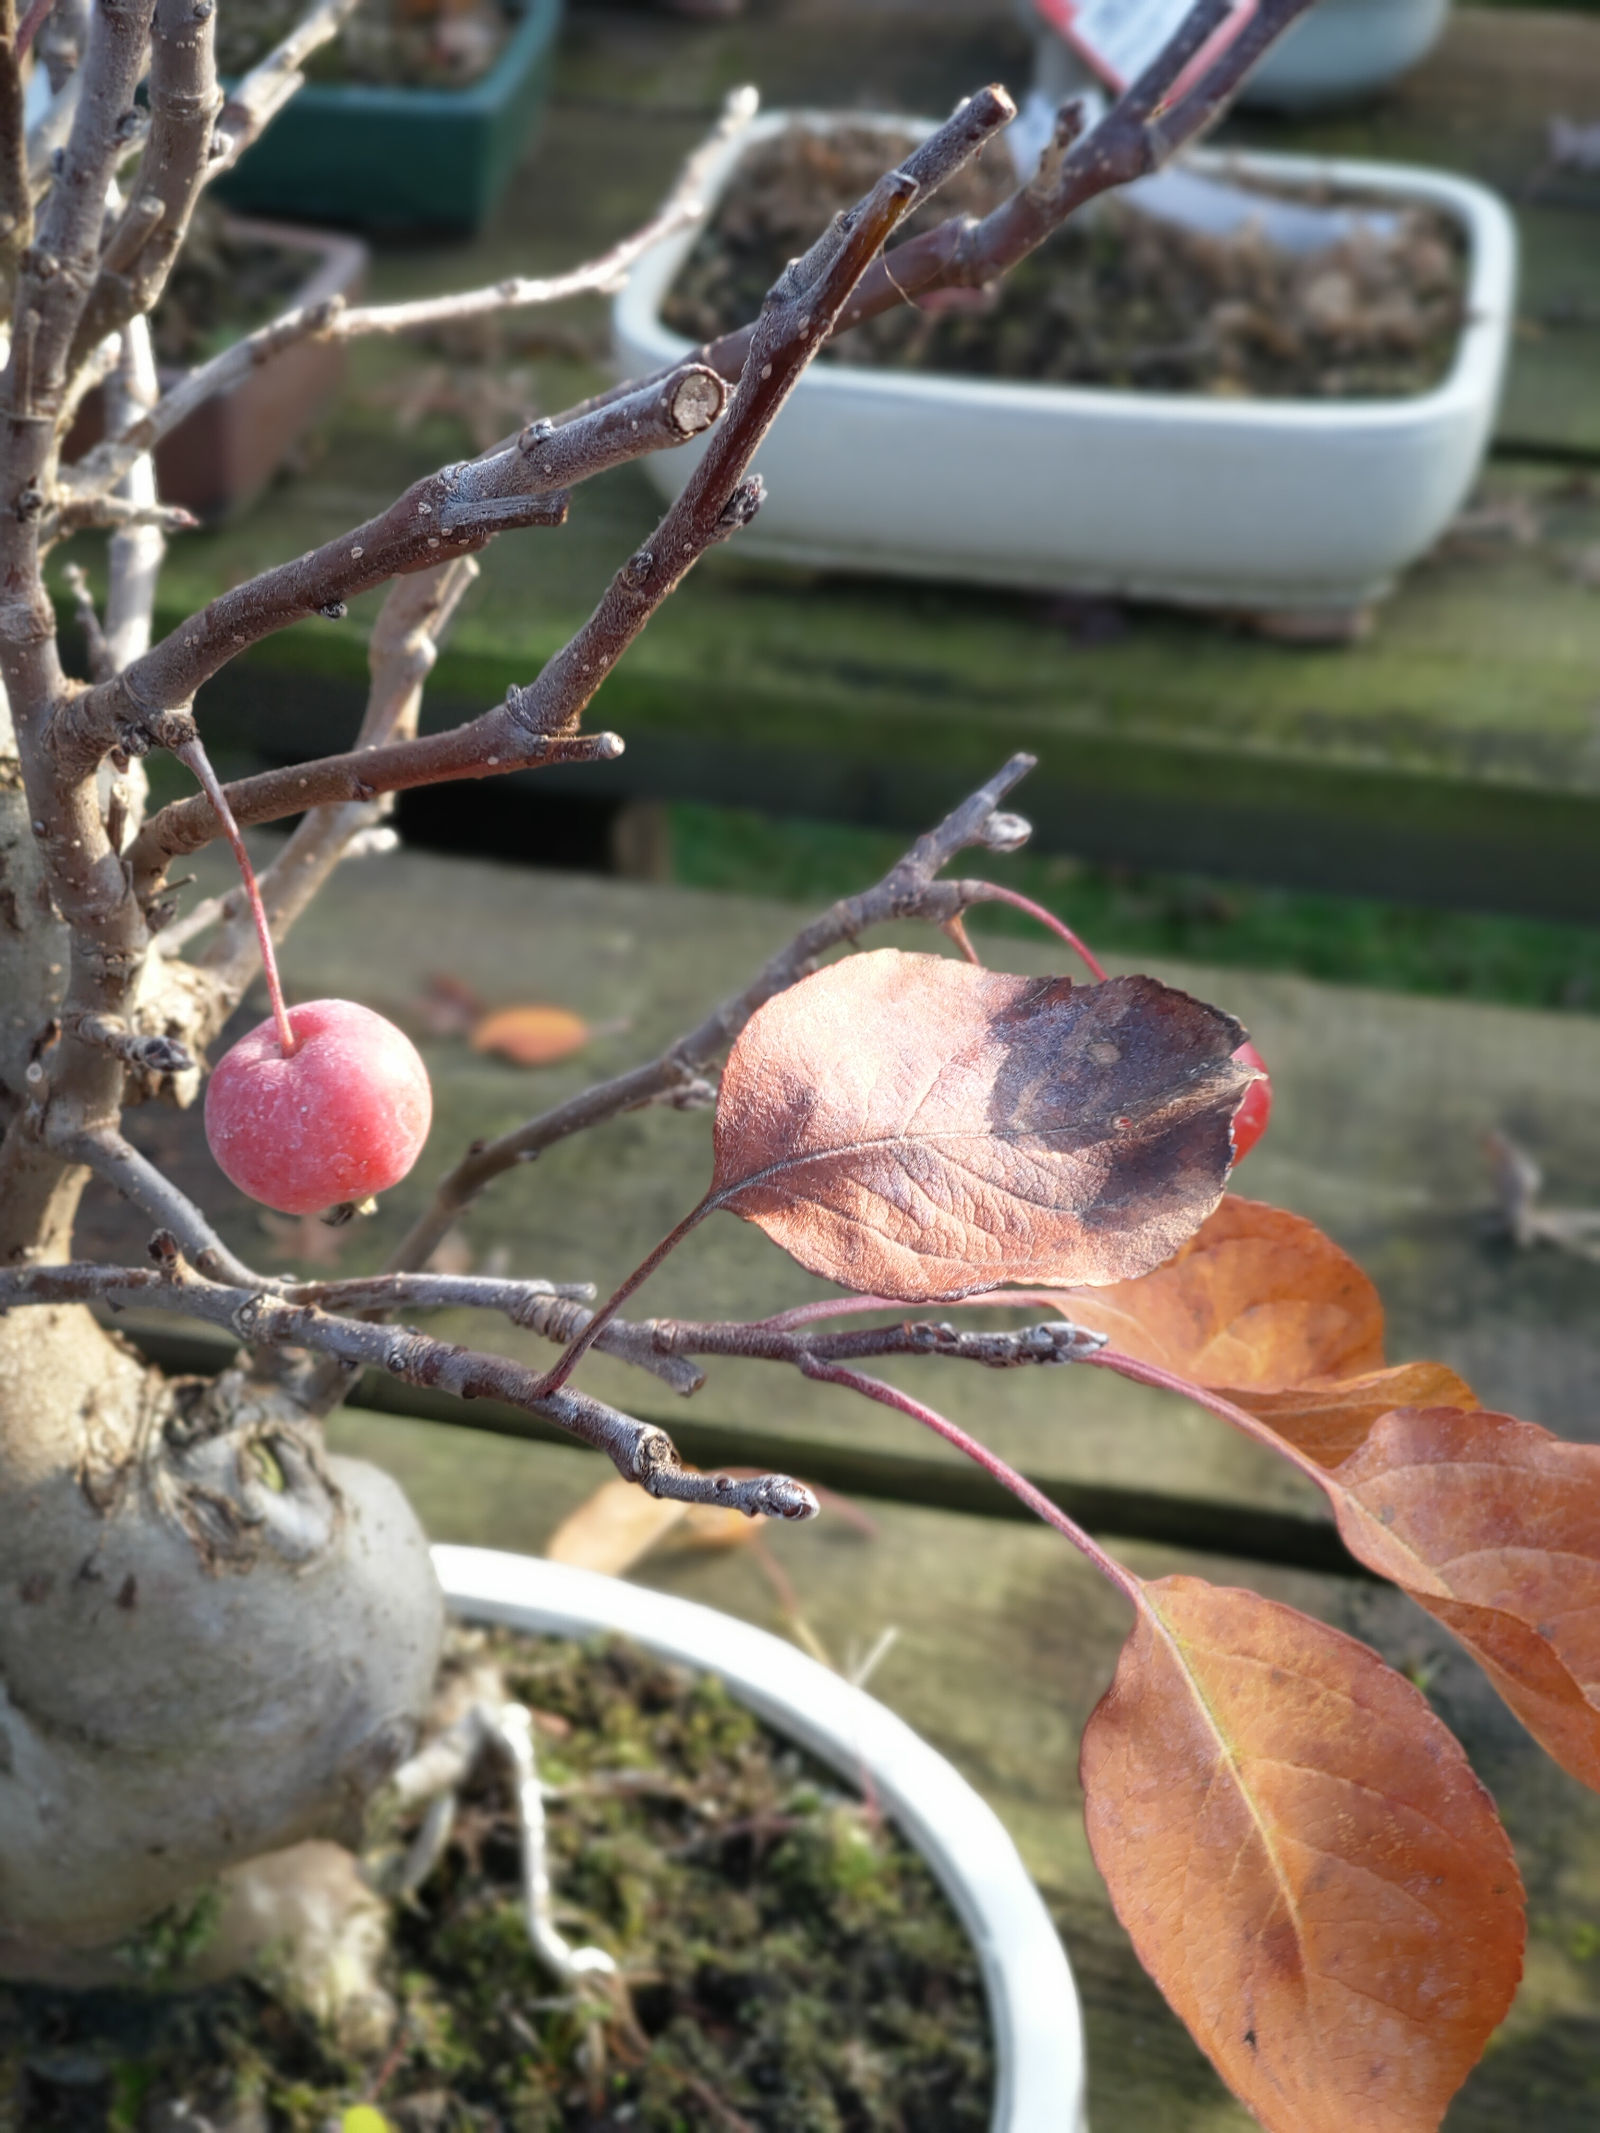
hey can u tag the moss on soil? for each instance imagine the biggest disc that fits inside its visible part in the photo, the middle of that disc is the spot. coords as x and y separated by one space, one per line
790 1964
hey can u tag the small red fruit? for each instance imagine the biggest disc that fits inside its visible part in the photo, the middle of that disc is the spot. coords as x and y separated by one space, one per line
342 1116
1250 1120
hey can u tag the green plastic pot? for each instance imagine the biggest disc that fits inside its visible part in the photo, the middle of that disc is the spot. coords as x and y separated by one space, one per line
378 158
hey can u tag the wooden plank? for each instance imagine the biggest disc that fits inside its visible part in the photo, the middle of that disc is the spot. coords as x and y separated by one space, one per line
1381 1105
1004 1643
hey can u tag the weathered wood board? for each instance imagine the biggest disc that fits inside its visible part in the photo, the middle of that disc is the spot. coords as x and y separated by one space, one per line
1382 1103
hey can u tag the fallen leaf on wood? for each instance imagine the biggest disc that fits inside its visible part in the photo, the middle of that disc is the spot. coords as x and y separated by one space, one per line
710 1526
616 1528
1493 1525
531 1036
448 1006
1304 1859
613 1529
914 1127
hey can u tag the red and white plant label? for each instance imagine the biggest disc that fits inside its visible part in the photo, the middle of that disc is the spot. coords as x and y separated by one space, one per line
1119 38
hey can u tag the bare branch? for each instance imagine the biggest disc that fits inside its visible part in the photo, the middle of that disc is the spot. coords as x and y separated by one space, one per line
640 1451
137 1179
495 743
52 290
1059 1341
400 656
264 91
333 320
556 1312
16 194
462 506
910 890
60 39
88 619
184 100
464 501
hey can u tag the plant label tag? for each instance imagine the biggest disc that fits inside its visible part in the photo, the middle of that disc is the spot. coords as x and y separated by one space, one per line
1119 38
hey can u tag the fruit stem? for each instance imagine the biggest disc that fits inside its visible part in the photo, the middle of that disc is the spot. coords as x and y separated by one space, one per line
194 757
994 894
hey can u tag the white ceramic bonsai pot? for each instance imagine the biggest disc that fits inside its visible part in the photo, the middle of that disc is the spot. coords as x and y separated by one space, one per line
1301 505
1033 2003
1343 50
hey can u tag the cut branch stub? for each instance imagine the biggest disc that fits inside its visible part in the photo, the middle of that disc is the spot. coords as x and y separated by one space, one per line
918 1128
1492 1525
1304 1860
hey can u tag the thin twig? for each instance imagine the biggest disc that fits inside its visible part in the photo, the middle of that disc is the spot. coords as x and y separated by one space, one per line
400 655
137 1179
256 1314
264 91
333 320
458 509
910 890
1137 135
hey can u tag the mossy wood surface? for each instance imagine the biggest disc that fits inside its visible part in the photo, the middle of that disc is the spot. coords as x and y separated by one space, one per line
1381 1106
1453 758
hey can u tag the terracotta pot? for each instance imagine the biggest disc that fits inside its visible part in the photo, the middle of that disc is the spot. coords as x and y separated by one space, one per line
222 457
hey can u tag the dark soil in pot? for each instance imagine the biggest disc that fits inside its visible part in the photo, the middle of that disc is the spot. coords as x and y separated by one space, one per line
788 1963
1117 298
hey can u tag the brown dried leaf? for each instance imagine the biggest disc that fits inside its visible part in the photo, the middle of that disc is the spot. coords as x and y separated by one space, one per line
613 1529
1493 1525
448 1006
531 1036
1262 1306
1304 1860
913 1127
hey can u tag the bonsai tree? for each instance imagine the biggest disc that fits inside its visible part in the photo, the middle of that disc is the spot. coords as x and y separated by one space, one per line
218 1644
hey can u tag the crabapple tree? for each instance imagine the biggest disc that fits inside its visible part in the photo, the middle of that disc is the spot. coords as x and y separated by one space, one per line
218 1643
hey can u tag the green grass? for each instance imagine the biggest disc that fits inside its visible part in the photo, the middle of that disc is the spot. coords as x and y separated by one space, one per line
1121 912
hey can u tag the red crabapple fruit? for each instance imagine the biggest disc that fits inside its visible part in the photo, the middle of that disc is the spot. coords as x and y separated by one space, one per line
1250 1120
342 1116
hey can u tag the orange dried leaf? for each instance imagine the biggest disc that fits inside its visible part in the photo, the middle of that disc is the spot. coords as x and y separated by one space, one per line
1330 1420
1493 1525
531 1036
613 1529
918 1128
1305 1862
1256 1298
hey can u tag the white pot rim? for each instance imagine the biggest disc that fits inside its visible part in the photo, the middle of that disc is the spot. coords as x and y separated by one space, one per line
1033 2002
1475 372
